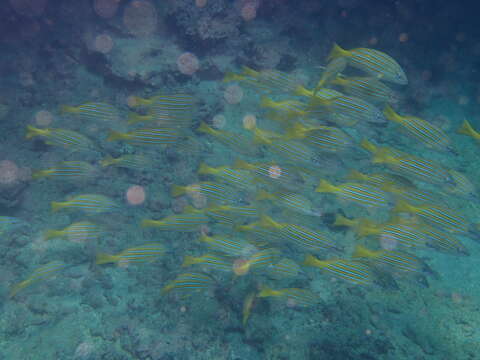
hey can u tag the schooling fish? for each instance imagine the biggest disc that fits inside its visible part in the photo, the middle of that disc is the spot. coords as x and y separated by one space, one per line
67 139
331 71
389 259
290 201
349 270
140 254
422 130
153 136
93 111
238 178
293 296
131 161
467 129
369 89
209 261
10 223
212 191
42 273
236 142
189 221
362 194
189 283
373 62
89 203
79 231
68 170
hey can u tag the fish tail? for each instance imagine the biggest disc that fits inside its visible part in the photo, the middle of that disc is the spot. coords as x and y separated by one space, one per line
337 52
204 128
107 161
265 291
355 175
230 76
302 91
367 145
188 261
310 260
267 102
242 164
55 205
263 195
390 114
33 131
367 228
362 252
403 206
105 259
67 109
134 118
380 157
52 234
268 222
205 169
249 71
325 186
149 223
178 190
343 221
18 287
466 129
39 174
116 135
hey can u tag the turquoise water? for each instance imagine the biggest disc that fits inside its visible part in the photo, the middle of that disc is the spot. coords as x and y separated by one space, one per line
211 180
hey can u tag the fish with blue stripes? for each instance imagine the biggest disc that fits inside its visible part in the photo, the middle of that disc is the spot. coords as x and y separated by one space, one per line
427 133
189 221
139 254
44 272
289 201
330 72
212 191
234 141
89 203
229 246
373 62
293 296
238 178
76 232
209 262
93 111
363 194
323 138
129 161
369 89
68 139
11 223
436 215
67 170
189 283
388 259
284 269
352 271
152 136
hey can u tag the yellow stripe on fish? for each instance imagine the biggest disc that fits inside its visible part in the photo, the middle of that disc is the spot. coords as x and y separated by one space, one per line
42 273
373 62
352 271
436 216
360 193
293 296
93 111
139 254
367 88
422 130
67 139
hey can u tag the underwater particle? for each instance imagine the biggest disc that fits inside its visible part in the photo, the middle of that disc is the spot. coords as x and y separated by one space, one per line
387 242
274 171
248 12
26 79
249 121
463 100
201 3
403 37
135 195
373 41
188 63
43 118
9 172
103 43
219 121
106 8
31 8
233 94
140 18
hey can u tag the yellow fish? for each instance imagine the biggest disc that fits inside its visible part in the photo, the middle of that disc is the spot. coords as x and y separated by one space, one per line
467 129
